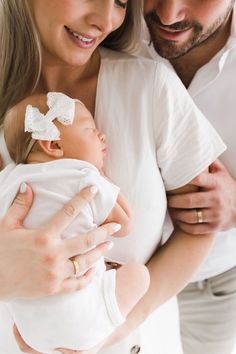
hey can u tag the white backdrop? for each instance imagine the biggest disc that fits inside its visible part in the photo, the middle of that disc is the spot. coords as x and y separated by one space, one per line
160 333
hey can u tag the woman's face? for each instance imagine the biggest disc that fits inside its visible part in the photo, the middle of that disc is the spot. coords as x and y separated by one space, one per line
70 30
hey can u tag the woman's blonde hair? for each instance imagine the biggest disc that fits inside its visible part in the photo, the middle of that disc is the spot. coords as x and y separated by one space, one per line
126 37
20 53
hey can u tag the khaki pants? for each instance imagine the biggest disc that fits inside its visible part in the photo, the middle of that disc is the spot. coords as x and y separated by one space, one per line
207 311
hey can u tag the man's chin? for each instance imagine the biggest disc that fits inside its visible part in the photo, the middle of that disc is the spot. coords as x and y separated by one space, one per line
169 51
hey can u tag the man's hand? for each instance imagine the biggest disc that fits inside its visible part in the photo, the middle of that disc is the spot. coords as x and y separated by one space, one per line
216 200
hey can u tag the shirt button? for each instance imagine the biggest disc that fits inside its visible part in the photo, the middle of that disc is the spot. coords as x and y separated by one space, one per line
135 349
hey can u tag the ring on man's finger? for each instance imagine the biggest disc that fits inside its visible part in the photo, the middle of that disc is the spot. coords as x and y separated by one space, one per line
76 267
199 213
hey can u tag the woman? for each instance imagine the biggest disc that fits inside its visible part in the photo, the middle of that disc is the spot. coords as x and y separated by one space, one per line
158 140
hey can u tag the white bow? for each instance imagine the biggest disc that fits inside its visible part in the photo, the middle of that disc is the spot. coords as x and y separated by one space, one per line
61 107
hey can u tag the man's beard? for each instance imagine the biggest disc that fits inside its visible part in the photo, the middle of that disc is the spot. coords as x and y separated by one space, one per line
171 49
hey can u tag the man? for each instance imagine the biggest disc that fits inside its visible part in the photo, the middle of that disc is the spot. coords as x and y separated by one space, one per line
199 40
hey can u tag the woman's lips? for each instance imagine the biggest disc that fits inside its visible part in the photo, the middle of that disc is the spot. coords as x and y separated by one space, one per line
81 40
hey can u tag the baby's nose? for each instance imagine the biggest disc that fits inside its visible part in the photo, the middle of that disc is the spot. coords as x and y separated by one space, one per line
102 136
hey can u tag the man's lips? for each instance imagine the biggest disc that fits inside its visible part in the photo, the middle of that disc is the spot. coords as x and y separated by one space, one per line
172 34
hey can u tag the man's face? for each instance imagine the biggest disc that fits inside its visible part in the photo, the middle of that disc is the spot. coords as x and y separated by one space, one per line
177 26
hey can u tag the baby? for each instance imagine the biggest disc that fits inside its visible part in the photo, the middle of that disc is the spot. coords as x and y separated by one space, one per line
58 150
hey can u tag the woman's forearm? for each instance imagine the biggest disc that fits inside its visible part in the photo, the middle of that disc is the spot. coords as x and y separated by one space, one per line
171 268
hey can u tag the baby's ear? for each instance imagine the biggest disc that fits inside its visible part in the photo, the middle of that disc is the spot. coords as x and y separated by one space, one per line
52 148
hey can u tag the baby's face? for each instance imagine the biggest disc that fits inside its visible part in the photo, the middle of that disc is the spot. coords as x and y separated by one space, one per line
82 140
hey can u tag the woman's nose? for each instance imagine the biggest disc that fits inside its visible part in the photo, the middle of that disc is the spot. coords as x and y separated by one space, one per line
102 16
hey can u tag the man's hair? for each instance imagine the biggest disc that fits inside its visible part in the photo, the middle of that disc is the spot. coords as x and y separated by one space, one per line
21 55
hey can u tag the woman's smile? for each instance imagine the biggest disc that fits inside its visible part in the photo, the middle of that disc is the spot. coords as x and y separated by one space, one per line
70 31
81 40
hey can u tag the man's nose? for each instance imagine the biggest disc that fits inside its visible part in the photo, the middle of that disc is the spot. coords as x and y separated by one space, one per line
171 11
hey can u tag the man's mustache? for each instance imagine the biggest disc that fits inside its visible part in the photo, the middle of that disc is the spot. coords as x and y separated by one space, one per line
152 18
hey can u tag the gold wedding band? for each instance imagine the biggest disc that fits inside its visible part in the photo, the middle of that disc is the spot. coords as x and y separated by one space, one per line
76 268
199 216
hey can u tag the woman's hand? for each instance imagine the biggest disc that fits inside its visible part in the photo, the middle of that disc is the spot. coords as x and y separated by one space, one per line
35 263
26 349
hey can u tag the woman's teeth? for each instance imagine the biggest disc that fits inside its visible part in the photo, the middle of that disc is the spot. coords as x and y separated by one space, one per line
82 38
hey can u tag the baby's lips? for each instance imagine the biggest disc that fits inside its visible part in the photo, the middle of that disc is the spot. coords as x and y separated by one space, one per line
105 150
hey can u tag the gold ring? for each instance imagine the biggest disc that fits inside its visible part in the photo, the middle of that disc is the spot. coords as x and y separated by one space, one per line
199 216
76 267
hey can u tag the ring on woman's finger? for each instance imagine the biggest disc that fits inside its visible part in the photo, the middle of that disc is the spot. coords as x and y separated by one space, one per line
76 267
199 216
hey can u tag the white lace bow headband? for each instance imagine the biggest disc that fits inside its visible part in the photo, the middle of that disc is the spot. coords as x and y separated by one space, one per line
61 107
